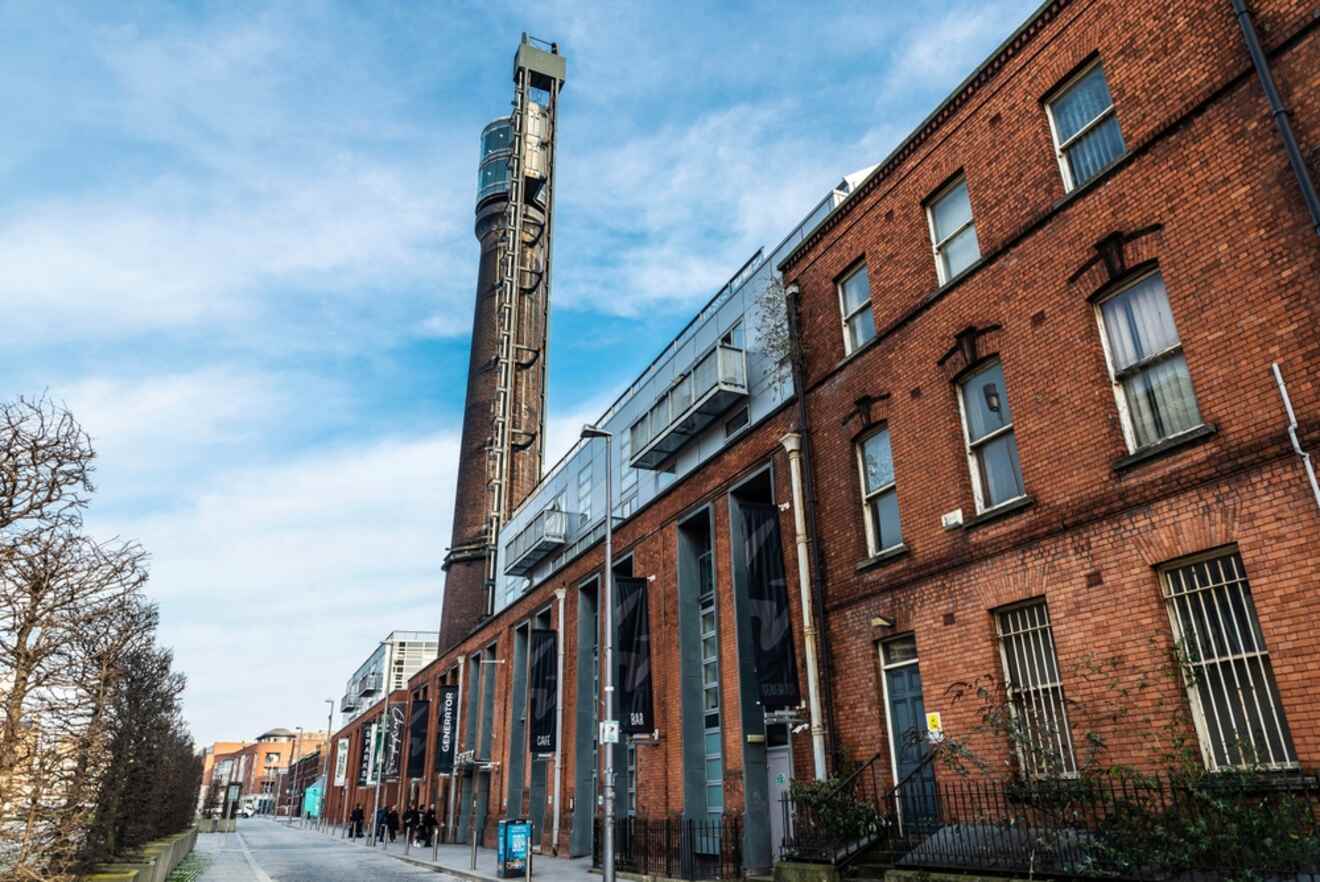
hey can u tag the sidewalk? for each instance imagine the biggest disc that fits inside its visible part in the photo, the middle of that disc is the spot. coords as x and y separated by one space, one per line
456 859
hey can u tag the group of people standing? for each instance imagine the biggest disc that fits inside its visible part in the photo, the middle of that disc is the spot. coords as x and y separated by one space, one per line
419 827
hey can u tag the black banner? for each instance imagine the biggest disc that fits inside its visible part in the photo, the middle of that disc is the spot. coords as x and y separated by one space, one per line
767 602
395 720
544 677
364 754
634 657
421 709
446 735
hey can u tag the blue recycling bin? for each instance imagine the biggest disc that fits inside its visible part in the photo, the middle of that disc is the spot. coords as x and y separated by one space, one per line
512 843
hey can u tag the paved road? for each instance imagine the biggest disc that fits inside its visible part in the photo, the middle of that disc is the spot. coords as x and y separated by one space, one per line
264 851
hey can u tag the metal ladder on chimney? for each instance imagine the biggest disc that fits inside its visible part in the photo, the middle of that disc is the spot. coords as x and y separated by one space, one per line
506 317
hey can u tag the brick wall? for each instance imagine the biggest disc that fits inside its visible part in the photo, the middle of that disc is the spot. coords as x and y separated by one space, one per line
1205 193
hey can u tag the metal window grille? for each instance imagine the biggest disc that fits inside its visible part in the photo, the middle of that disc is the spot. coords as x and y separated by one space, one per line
1230 682
1035 691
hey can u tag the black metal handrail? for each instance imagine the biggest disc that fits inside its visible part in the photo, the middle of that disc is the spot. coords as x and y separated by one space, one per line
1156 827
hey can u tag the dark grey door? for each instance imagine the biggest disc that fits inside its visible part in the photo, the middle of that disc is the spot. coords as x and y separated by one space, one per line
907 730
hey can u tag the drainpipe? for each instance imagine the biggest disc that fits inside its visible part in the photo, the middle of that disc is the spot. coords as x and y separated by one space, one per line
793 444
559 722
1278 110
1292 433
809 489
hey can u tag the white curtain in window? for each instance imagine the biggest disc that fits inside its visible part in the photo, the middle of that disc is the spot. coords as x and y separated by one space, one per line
1139 326
1073 111
1095 150
1161 401
1084 101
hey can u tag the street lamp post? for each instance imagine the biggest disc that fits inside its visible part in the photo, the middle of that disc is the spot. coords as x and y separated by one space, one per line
293 772
380 773
609 724
329 731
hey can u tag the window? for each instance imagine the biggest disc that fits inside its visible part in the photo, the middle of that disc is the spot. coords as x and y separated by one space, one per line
736 423
632 778
855 306
952 231
734 336
879 492
991 445
1151 383
626 506
584 492
710 687
1035 691
1230 682
628 478
1086 135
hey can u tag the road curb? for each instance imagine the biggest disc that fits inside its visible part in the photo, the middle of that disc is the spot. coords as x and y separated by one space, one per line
470 875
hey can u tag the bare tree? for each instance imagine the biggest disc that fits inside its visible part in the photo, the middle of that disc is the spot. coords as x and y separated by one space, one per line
94 755
45 465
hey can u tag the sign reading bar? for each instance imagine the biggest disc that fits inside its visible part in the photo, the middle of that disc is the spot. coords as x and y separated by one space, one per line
544 683
341 762
421 711
633 656
767 603
446 738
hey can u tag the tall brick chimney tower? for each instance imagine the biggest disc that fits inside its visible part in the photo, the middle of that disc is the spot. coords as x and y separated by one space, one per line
503 439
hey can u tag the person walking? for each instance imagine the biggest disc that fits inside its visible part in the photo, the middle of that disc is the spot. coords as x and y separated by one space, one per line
429 824
411 819
355 822
392 821
379 826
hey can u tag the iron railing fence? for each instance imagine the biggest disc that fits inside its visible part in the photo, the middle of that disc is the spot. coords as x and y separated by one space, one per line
1165 827
675 848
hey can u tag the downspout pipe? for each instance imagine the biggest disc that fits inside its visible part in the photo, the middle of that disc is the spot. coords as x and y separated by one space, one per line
793 444
1282 119
1292 434
559 721
791 304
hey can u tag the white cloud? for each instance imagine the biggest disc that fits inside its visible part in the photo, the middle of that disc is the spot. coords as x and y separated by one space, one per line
276 581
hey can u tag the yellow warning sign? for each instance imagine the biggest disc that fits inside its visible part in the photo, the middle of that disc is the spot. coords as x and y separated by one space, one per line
934 726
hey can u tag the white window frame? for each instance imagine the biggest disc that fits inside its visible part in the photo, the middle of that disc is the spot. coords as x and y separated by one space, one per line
1066 755
1199 716
941 271
848 347
872 531
973 458
1116 380
1060 150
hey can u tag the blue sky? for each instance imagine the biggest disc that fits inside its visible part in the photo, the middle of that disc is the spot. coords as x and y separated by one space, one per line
237 241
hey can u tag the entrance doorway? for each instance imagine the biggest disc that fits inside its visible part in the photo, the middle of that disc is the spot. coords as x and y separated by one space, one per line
779 769
905 712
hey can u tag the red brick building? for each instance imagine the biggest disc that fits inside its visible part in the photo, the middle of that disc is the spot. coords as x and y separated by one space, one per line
1080 271
1045 455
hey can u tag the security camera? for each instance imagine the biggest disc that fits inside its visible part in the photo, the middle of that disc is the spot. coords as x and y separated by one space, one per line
799 728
